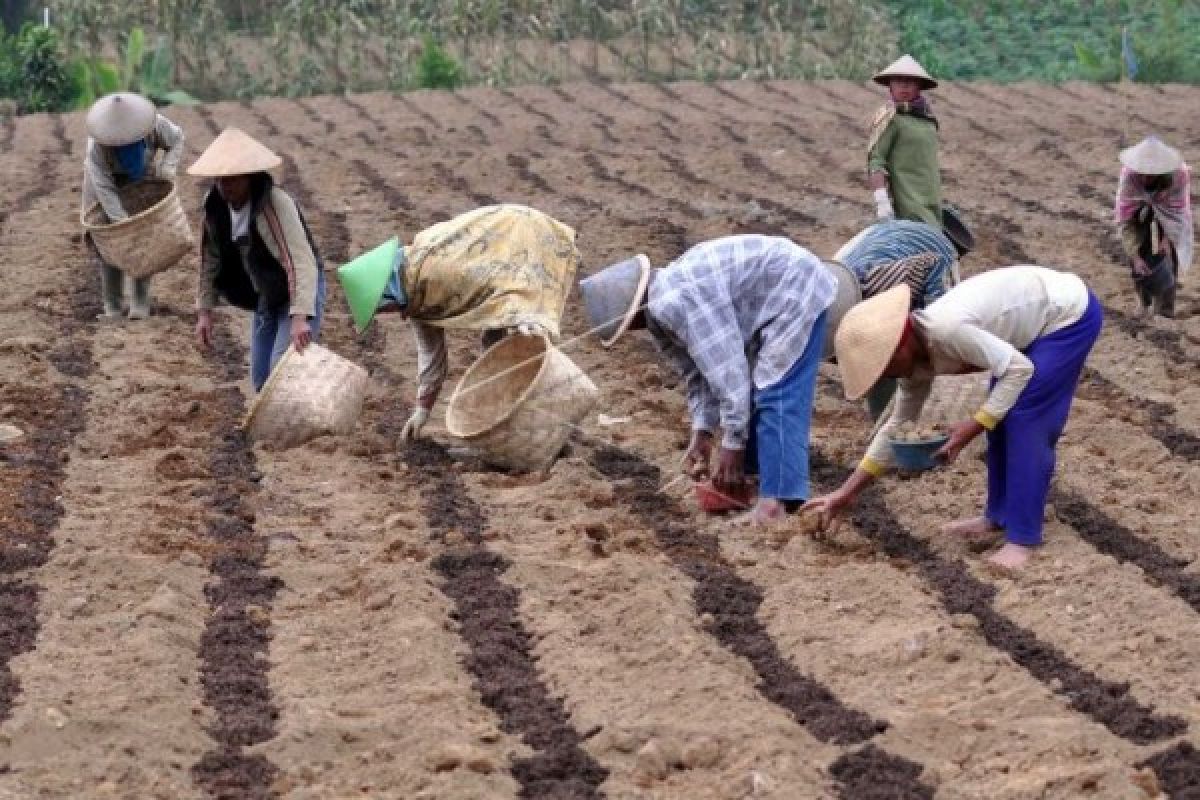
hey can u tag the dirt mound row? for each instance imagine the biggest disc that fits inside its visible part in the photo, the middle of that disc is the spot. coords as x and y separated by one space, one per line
500 659
34 470
730 603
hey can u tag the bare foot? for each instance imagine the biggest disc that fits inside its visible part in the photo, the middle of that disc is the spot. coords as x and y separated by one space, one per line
1011 557
975 526
767 511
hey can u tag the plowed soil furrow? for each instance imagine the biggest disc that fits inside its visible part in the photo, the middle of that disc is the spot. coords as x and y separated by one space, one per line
729 604
1106 702
638 633
31 484
1114 539
501 651
234 646
343 700
35 468
1151 416
360 111
64 742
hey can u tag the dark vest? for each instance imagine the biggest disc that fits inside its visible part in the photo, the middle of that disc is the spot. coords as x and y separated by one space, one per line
249 276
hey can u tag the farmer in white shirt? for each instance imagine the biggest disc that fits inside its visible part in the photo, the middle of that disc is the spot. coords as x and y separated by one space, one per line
1031 328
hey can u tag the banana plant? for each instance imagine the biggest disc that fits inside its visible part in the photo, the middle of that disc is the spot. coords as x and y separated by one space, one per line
138 71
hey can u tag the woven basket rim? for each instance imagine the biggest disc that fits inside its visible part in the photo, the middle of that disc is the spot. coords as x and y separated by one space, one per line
455 430
133 218
264 394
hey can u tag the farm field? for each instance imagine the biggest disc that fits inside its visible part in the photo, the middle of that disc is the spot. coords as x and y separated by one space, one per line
184 616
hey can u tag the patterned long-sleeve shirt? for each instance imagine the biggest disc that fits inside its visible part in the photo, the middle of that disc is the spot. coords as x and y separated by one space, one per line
734 314
874 255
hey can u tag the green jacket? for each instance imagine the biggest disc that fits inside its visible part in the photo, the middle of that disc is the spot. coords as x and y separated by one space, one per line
907 151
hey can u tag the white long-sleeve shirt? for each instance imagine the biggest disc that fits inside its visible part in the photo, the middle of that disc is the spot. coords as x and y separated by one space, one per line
983 325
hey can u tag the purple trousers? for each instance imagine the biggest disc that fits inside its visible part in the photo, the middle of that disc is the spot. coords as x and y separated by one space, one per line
1020 455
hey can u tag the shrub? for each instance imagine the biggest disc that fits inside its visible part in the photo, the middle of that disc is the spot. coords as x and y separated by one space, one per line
436 68
42 80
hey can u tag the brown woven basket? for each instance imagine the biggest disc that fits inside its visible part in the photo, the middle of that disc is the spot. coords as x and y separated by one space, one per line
154 236
308 394
518 403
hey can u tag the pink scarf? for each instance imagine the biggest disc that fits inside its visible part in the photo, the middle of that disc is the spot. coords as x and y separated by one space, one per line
1172 208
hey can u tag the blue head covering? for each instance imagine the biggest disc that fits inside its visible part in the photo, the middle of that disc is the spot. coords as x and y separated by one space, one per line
394 291
132 159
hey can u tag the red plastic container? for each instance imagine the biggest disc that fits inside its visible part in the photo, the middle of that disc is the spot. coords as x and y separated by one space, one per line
715 501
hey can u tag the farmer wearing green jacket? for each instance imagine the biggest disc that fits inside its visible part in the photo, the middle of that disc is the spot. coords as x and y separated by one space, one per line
902 152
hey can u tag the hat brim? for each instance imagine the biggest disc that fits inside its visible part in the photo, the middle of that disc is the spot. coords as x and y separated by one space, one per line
847 296
636 304
862 363
1141 166
956 230
120 119
364 279
926 83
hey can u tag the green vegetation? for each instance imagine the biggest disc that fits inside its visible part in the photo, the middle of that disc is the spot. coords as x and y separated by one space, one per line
437 69
32 72
178 50
1010 40
137 71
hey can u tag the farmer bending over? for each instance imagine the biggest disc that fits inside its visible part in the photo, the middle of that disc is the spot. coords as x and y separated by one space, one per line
498 270
743 318
125 136
898 251
257 253
1031 328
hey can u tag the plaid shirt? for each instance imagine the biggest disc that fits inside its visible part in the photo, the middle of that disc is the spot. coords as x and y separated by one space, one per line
733 315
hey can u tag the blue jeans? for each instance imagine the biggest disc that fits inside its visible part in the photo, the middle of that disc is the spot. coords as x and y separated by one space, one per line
1020 454
271 335
777 448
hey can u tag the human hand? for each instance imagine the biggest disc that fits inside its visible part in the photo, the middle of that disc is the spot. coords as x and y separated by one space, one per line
204 329
883 205
698 455
961 435
828 507
416 421
301 332
531 329
730 475
1140 267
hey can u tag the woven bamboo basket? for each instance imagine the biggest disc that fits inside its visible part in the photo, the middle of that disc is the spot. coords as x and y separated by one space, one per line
517 404
308 394
154 236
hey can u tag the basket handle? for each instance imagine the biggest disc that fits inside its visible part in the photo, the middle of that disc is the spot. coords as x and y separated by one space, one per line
284 253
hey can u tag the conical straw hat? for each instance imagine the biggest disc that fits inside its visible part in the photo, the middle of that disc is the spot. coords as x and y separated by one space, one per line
613 296
364 279
848 295
906 67
1152 156
234 152
116 120
867 338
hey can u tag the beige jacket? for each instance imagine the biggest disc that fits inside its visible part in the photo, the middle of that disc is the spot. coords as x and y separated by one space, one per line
302 281
102 176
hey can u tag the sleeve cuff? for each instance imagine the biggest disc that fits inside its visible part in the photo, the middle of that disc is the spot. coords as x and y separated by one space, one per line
986 420
872 467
